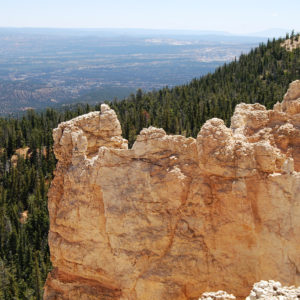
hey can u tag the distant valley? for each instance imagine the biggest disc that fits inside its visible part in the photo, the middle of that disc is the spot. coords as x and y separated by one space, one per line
40 68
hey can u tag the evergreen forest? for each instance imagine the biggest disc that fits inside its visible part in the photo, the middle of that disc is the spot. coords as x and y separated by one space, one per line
263 76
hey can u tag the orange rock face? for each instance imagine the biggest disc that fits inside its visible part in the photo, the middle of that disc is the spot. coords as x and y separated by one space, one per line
174 217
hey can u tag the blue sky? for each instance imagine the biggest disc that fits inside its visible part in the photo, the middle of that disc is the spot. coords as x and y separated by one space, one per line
235 16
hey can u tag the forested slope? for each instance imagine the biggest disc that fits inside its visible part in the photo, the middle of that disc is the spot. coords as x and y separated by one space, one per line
261 76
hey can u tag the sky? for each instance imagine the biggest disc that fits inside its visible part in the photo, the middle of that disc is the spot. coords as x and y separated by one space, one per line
234 16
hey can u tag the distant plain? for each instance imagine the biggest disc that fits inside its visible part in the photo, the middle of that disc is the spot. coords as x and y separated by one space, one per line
53 67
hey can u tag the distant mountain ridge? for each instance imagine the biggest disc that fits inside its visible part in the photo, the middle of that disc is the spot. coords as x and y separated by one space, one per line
272 33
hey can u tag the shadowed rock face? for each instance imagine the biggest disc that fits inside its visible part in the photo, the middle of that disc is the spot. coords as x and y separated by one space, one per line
174 217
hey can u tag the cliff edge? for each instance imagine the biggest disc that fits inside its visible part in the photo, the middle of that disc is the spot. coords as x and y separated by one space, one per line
174 217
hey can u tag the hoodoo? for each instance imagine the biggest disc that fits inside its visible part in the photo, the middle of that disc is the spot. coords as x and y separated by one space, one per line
175 217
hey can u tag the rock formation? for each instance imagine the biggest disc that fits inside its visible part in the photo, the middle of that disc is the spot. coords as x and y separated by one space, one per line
220 295
271 290
174 217
263 290
291 43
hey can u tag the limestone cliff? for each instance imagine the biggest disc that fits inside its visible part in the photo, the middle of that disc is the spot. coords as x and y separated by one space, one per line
174 217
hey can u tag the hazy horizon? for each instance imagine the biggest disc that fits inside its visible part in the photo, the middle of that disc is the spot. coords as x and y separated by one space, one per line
268 33
230 16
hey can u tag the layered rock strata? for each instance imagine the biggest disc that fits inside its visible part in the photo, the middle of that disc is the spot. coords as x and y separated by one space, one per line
174 217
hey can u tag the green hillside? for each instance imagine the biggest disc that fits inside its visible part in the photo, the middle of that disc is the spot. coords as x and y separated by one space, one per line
261 76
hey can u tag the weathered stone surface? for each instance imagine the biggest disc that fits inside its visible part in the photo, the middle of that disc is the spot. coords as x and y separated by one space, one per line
263 290
174 217
291 44
272 290
220 295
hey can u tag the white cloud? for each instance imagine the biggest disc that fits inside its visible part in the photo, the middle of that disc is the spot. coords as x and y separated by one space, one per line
275 14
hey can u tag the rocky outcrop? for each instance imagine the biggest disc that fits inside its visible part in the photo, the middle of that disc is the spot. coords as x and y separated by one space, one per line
291 43
263 290
272 290
220 295
174 217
